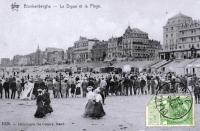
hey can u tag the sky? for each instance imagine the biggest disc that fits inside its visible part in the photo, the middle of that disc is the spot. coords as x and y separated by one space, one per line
23 30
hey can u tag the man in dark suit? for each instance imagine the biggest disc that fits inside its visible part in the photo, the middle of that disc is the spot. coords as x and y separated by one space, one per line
142 85
1 89
127 84
13 88
6 88
197 92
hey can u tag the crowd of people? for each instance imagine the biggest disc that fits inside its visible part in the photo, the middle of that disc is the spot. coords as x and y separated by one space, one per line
95 87
75 85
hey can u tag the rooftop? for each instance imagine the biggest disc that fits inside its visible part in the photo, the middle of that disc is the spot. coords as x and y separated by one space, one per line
134 30
180 15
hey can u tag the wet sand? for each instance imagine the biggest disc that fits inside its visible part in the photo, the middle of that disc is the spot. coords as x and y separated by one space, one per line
123 113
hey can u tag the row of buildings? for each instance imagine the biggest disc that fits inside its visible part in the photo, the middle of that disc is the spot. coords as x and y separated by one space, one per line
133 45
49 56
181 40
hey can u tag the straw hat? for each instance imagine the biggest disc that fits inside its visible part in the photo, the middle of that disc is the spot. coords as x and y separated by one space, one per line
89 88
39 90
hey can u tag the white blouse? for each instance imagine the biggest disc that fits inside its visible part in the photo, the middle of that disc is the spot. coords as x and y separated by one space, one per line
90 95
98 98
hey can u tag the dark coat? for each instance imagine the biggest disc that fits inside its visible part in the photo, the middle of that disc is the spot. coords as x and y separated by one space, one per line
13 86
84 85
136 84
91 83
127 82
1 87
6 85
196 89
142 83
40 112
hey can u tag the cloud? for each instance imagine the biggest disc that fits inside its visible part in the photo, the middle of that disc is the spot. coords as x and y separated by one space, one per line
3 44
61 27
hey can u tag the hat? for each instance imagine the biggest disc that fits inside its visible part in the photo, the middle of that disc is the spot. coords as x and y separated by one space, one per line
89 88
39 90
97 90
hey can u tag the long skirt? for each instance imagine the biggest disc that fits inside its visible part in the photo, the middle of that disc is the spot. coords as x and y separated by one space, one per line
48 108
40 112
89 109
78 90
112 89
98 110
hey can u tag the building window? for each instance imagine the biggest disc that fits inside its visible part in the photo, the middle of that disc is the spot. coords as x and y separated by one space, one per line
171 35
172 28
166 29
166 35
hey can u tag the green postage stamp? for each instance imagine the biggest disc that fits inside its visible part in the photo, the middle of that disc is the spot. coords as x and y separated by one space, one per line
170 110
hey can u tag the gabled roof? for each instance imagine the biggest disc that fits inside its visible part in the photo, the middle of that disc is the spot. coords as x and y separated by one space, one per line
135 30
180 15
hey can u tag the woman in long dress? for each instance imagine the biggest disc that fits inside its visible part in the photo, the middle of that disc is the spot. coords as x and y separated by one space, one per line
47 102
78 88
40 112
89 108
98 107
73 88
